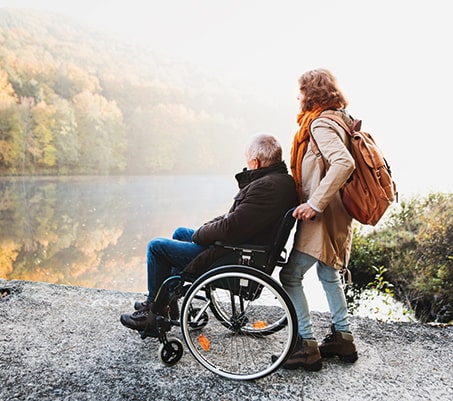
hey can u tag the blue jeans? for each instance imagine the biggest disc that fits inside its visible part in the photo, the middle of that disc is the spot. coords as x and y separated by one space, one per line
166 257
291 277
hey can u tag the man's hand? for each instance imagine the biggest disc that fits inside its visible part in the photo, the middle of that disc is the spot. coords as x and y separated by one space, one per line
304 212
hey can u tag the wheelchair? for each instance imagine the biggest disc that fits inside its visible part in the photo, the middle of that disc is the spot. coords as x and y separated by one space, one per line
236 319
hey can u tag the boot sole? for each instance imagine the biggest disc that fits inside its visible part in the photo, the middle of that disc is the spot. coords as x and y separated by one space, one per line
351 358
125 323
311 368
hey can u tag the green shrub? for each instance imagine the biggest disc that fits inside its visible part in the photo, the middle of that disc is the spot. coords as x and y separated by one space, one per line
414 247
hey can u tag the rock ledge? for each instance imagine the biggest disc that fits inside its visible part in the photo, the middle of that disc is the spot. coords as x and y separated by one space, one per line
66 343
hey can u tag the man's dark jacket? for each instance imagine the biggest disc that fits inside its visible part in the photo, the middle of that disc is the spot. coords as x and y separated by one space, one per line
265 195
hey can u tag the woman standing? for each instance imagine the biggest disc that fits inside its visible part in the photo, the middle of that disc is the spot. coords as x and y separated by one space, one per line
324 232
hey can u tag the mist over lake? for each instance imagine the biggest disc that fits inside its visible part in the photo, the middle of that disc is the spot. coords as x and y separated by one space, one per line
93 231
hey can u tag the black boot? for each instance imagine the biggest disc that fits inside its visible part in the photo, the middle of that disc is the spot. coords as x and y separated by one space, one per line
136 320
172 309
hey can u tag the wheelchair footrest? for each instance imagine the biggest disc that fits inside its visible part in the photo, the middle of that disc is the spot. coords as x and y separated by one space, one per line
163 326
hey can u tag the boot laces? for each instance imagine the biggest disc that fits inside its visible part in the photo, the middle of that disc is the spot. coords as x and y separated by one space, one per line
140 313
329 338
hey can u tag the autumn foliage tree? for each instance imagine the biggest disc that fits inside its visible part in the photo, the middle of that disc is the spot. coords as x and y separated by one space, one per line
73 101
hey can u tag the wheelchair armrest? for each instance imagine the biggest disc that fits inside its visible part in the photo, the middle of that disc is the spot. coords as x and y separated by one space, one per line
242 247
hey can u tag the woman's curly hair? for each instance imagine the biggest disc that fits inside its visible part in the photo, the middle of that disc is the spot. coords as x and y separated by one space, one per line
320 88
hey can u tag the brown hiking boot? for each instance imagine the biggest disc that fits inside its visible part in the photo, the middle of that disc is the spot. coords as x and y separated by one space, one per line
305 355
340 344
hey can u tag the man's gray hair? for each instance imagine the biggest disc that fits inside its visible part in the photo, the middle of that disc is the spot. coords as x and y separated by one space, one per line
266 148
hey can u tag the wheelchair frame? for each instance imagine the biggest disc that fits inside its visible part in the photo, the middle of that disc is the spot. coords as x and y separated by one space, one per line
236 319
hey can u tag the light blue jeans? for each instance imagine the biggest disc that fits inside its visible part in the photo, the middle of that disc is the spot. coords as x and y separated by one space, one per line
291 277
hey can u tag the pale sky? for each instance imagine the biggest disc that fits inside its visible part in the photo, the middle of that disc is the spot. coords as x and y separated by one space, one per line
392 58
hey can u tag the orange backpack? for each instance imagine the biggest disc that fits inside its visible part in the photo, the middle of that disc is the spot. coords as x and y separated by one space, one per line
370 189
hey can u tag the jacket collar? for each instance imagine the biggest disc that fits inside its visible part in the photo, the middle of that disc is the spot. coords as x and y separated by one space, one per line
245 177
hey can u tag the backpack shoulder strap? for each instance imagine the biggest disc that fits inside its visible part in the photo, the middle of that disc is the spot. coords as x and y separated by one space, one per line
321 160
323 165
356 124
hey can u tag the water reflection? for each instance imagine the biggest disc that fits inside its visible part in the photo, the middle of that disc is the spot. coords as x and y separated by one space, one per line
93 231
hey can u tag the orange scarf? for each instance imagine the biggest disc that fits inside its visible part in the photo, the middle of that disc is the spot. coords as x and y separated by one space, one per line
300 144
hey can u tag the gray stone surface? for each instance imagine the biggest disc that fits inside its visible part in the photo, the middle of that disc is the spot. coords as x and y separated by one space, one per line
66 343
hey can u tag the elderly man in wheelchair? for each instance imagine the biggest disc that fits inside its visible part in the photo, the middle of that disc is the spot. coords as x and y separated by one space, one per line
227 263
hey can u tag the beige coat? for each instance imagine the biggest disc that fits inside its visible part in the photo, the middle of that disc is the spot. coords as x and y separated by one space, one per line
328 237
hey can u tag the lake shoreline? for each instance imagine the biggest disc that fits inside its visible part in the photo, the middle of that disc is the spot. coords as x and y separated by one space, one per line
66 342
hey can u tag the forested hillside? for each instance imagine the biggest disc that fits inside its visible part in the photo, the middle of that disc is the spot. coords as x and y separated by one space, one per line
74 101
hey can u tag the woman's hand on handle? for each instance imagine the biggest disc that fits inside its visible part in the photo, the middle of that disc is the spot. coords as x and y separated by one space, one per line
304 212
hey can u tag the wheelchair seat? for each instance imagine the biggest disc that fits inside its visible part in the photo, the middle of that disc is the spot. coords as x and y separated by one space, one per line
261 257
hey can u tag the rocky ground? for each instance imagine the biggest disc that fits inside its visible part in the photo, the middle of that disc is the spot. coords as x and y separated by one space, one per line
66 343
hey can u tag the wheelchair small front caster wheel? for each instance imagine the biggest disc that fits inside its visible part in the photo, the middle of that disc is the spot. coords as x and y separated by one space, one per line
171 351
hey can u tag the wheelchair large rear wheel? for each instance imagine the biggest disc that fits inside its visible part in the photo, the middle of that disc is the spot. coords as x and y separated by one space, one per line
251 318
221 307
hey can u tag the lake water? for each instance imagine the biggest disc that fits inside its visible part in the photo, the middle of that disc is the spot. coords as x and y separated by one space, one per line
93 231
